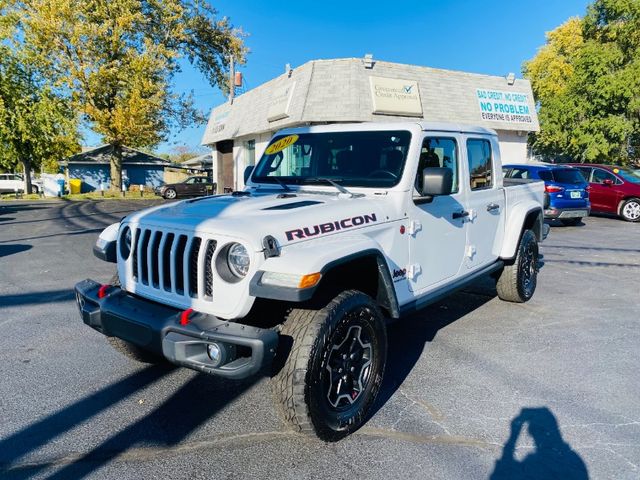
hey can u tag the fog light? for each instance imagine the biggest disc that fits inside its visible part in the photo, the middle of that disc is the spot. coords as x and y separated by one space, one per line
221 353
215 353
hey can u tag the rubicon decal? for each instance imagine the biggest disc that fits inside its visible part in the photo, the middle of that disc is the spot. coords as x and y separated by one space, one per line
306 232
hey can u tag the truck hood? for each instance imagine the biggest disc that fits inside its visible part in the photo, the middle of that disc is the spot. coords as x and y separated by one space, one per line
288 218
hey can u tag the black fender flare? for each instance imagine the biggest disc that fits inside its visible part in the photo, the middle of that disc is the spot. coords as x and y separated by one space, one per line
385 296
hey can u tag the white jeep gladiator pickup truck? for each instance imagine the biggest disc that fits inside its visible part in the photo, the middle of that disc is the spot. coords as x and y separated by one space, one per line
340 229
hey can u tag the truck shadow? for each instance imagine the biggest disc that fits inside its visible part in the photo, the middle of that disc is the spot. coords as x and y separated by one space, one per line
408 337
198 400
6 250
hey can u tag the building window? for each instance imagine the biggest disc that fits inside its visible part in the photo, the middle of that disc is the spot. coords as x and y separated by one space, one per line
250 147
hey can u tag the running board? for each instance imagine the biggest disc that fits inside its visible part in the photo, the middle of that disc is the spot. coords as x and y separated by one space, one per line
446 290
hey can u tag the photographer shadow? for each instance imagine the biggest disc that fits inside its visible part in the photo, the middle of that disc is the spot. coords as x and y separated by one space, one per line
552 458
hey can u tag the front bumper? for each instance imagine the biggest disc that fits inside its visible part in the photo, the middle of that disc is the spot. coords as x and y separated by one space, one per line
157 328
566 212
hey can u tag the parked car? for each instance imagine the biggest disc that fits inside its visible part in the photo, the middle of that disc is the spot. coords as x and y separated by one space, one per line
12 182
191 187
566 190
310 261
613 189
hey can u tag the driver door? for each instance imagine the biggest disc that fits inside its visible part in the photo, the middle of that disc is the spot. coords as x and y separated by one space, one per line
437 236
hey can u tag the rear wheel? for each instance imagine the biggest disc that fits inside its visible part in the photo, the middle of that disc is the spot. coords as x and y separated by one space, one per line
630 210
128 349
571 222
334 370
517 281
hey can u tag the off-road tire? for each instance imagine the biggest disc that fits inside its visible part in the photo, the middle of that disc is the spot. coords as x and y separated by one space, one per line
517 281
629 210
571 222
299 385
128 349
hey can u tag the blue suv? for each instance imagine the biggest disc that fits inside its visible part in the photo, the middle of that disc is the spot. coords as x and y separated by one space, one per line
566 190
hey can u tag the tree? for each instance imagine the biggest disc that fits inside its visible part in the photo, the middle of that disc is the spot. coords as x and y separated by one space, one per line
118 59
587 82
36 125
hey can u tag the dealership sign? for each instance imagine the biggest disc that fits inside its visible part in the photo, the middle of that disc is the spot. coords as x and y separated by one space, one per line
393 96
499 106
280 102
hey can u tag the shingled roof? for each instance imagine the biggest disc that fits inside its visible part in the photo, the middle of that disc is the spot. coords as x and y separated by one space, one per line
102 155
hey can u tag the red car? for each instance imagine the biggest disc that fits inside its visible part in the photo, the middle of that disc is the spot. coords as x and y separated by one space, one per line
613 189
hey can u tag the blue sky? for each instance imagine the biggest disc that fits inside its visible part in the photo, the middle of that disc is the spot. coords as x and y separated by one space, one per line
491 37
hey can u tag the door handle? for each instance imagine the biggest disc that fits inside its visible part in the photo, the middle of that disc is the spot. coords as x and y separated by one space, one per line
493 206
462 214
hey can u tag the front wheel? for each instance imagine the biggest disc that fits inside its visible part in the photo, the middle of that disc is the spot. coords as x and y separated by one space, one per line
170 194
630 210
334 370
517 281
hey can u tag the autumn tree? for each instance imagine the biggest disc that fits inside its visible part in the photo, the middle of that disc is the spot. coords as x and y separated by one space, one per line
37 126
586 80
119 58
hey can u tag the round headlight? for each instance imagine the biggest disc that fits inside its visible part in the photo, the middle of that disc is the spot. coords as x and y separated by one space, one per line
238 260
125 243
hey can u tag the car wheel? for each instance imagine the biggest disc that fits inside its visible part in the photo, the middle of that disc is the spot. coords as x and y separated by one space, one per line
630 210
571 222
334 370
130 350
170 194
517 281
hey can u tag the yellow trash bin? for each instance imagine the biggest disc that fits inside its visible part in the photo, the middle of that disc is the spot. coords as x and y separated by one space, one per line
75 185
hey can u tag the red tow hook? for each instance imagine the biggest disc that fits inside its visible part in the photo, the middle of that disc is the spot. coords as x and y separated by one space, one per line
102 291
184 316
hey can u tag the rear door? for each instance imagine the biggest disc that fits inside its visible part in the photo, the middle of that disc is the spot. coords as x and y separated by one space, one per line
485 201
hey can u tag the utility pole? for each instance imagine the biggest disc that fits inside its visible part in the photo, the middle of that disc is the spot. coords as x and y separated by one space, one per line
232 84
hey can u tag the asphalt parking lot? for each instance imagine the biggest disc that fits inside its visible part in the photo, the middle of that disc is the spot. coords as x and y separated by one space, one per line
475 387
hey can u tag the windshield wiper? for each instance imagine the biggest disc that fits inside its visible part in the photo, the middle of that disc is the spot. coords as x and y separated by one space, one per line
340 188
282 184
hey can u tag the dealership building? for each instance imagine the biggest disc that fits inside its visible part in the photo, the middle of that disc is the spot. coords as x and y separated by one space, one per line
365 90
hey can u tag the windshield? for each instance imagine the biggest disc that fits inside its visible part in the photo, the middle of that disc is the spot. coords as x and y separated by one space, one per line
632 176
351 159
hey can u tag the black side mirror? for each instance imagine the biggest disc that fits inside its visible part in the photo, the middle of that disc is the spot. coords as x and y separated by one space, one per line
247 173
436 181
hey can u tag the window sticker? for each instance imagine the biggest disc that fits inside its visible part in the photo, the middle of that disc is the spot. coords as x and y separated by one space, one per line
616 170
281 144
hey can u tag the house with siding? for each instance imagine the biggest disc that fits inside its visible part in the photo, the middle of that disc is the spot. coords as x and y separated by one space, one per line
93 167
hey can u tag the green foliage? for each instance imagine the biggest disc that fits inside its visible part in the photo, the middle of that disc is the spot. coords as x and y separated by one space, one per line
37 126
118 59
587 82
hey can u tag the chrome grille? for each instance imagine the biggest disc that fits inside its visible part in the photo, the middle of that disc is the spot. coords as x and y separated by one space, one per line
172 262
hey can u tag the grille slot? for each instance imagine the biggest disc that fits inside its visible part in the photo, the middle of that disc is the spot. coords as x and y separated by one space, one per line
166 262
154 247
208 268
179 259
134 254
193 266
143 270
